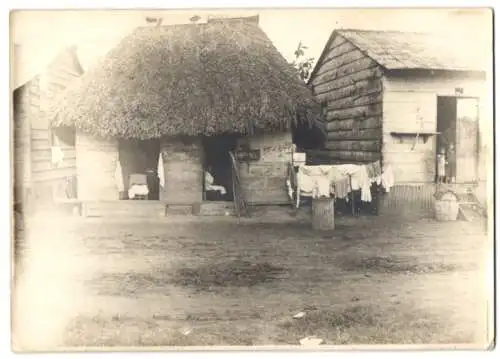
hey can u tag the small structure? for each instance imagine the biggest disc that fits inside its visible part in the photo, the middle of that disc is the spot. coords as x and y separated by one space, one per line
44 158
179 100
399 98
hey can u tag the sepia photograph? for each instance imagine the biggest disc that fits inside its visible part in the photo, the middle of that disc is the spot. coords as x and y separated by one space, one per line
260 178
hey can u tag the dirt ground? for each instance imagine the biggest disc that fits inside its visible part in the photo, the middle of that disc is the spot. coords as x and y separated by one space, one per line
93 283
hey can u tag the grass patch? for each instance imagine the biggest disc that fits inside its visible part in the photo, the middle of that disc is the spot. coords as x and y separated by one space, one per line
237 273
129 283
392 264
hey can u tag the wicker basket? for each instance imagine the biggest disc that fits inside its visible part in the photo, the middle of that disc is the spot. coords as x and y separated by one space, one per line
446 206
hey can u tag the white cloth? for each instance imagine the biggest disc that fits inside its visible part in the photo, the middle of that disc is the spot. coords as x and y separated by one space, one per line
138 190
340 180
161 171
387 178
289 188
299 158
313 181
119 177
209 186
57 155
359 180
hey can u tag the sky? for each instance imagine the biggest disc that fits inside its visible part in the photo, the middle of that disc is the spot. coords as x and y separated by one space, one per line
42 34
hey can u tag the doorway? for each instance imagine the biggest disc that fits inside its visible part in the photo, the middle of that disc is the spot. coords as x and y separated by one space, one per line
217 165
457 125
139 163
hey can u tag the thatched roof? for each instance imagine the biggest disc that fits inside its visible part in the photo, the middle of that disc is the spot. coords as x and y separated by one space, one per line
188 80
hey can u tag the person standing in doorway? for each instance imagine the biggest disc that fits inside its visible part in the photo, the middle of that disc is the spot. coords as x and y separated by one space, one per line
441 166
451 163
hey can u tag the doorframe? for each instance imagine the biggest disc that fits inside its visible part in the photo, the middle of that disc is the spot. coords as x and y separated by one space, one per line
457 97
235 138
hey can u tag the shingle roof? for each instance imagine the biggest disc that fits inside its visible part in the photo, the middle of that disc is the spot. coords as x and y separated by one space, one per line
407 50
396 50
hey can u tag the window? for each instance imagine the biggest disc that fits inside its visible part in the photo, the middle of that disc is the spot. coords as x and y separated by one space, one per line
63 136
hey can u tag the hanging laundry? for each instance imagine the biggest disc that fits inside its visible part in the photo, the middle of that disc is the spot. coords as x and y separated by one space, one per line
289 189
161 171
374 169
342 187
361 181
387 178
313 181
119 177
57 155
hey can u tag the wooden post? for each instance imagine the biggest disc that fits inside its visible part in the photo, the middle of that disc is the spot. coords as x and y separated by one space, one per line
352 195
323 214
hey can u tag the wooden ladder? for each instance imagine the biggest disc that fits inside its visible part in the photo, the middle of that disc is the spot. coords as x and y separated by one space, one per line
240 204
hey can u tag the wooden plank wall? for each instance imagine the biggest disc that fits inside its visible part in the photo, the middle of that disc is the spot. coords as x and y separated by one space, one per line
41 176
349 85
264 181
183 169
96 163
410 105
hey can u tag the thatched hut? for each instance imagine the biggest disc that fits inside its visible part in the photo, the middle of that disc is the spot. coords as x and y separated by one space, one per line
191 93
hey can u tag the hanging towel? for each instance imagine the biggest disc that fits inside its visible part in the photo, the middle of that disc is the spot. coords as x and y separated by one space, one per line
161 171
119 177
373 169
342 188
387 178
313 181
57 155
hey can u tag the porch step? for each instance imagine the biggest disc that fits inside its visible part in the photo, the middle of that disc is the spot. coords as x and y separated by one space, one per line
141 209
217 208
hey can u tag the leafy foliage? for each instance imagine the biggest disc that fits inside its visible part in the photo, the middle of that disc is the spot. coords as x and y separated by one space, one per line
303 64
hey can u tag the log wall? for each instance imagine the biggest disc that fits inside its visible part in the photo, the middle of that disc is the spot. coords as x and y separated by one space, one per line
349 85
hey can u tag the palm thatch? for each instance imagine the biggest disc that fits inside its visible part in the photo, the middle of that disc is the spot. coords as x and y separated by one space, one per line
195 79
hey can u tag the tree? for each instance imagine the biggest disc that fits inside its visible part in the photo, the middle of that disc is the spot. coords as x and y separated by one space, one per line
303 64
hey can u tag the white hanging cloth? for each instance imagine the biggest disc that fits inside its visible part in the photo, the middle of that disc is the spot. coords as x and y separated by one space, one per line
119 177
57 155
161 171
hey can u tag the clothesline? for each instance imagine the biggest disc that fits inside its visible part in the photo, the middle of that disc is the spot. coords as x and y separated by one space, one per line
339 180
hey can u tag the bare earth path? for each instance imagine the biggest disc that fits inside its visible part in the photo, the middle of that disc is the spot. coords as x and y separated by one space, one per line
130 283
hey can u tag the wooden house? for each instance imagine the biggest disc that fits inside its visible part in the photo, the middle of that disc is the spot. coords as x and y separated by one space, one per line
37 178
186 96
400 98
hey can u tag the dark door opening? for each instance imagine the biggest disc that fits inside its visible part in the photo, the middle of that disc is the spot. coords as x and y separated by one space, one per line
457 142
217 179
139 162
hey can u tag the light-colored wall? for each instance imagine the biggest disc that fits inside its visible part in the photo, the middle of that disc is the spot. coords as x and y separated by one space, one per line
405 99
263 181
182 164
96 161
